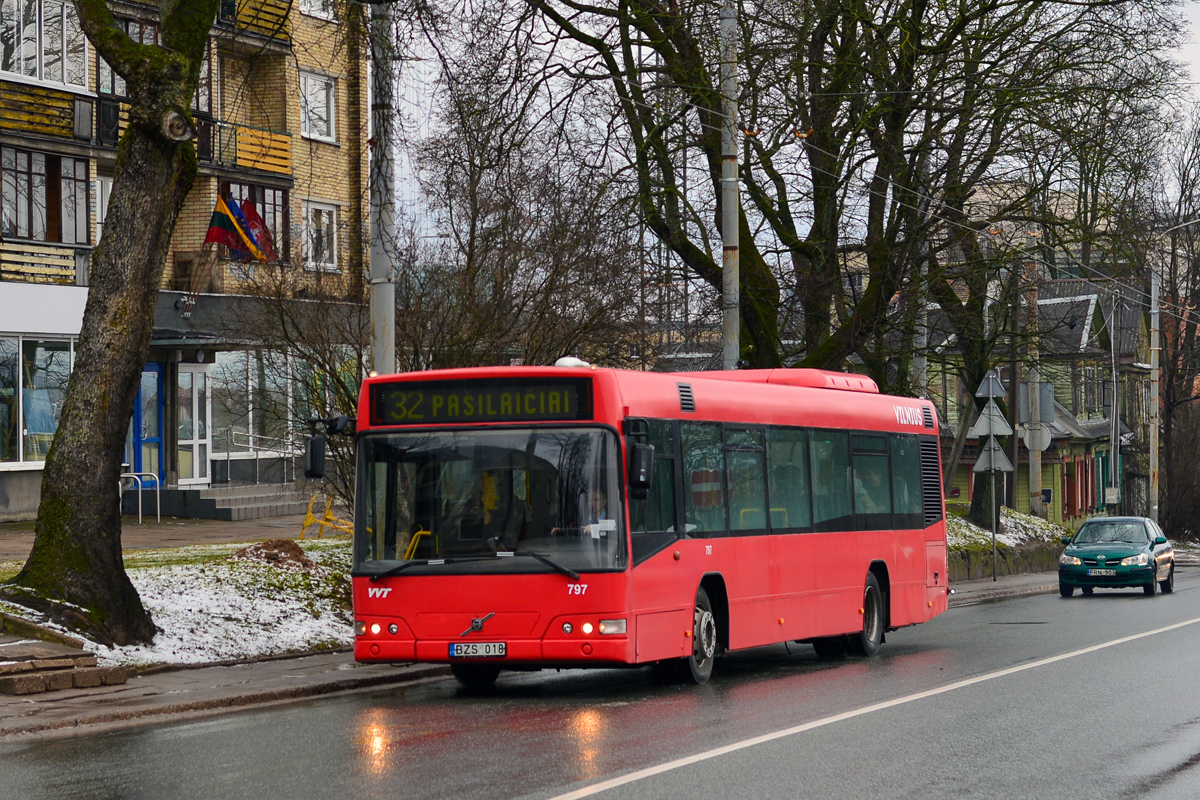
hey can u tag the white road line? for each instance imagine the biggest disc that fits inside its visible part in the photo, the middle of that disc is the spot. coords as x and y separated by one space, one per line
648 772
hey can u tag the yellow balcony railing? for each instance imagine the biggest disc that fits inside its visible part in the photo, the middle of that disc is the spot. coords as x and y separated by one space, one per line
37 263
232 145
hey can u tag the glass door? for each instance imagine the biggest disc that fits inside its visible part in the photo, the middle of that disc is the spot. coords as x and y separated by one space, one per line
194 436
143 445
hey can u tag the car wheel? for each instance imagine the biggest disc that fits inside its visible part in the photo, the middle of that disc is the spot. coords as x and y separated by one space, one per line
867 642
1065 589
1168 585
475 676
1087 590
699 665
1151 588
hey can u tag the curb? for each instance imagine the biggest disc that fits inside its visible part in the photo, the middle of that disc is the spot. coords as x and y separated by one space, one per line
995 594
148 715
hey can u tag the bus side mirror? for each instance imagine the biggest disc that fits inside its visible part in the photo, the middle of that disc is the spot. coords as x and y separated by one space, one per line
641 468
314 456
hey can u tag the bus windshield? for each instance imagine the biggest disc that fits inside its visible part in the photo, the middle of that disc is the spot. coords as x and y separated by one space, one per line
466 495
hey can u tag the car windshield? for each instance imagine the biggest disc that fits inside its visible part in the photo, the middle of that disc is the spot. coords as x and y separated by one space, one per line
464 496
1096 532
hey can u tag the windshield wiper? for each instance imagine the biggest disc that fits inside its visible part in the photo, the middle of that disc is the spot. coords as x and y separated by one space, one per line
570 573
387 573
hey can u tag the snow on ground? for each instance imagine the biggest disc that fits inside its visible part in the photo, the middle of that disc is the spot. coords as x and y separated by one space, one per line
1015 529
210 606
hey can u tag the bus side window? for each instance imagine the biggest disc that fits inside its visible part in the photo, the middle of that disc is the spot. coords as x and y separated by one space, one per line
703 478
745 468
829 456
787 455
906 481
657 512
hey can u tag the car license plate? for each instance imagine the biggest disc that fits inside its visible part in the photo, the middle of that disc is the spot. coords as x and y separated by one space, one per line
477 649
1102 572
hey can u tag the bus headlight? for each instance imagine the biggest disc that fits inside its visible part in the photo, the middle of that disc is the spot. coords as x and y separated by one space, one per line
375 629
612 626
587 627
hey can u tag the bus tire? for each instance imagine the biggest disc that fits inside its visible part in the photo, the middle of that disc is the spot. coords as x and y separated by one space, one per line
867 642
698 666
475 676
830 647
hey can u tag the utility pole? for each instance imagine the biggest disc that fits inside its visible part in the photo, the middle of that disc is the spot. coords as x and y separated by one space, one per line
1033 379
1155 378
1114 442
383 192
730 206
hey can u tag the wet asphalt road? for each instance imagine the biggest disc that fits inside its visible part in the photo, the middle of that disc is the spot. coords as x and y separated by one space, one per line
1028 697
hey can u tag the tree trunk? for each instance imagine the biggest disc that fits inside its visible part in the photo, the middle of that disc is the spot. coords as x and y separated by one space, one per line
76 555
75 571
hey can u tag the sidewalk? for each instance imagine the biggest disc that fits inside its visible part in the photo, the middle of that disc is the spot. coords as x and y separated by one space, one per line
171 695
967 592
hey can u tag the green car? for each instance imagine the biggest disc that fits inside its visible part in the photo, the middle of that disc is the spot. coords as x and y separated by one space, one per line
1117 552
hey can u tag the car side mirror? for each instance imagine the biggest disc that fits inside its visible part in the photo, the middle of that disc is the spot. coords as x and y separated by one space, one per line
641 468
1160 540
1066 540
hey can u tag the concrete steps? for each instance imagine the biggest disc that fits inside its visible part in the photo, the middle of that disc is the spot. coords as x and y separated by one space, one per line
230 502
32 666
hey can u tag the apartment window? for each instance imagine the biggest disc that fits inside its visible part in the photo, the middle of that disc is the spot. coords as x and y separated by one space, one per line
317 106
317 8
43 197
320 236
108 81
41 39
270 203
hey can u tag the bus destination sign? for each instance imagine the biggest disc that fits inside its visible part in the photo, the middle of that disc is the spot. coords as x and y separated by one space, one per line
491 400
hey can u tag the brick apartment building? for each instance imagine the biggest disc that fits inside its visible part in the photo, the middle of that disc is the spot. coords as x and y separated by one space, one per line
282 114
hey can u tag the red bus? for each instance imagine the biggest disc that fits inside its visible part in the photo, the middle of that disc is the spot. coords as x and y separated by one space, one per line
530 517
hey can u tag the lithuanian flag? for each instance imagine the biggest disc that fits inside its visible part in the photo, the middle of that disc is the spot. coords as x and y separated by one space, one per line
229 227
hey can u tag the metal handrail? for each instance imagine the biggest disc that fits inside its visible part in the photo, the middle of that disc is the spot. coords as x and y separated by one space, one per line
137 476
291 448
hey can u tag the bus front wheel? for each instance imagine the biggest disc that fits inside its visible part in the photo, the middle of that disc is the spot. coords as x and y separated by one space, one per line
475 676
699 665
868 641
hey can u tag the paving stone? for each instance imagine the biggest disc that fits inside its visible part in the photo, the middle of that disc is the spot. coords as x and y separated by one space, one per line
87 677
10 667
59 679
113 676
85 661
53 663
27 683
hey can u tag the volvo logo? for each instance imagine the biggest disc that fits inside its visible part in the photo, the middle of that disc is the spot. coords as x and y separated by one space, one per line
477 624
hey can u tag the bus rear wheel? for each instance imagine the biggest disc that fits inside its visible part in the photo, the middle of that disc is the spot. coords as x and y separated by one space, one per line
475 676
698 666
868 641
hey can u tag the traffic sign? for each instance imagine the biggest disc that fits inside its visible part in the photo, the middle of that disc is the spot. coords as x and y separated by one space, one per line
991 422
1043 438
992 458
991 386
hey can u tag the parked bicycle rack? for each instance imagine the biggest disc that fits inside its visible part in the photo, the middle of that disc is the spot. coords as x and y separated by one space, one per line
138 476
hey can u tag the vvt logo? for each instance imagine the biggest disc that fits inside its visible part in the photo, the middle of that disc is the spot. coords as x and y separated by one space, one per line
378 591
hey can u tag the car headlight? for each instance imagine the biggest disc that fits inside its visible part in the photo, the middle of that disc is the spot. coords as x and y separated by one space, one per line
1139 560
1069 560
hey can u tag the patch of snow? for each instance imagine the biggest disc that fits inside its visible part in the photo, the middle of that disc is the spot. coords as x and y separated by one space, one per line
1015 529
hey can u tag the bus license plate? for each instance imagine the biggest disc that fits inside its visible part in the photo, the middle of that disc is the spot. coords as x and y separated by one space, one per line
1102 572
477 650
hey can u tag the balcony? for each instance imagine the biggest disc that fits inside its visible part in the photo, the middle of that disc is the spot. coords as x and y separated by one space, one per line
30 262
229 144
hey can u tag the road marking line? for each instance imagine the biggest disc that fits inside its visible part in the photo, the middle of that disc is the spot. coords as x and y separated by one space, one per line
668 766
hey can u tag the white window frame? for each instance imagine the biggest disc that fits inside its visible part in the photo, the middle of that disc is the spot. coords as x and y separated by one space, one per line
313 82
67 15
308 206
321 9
